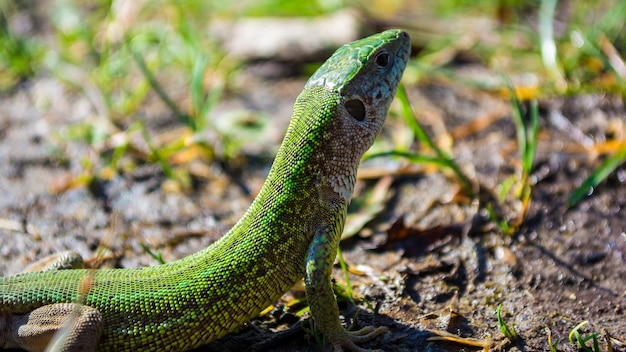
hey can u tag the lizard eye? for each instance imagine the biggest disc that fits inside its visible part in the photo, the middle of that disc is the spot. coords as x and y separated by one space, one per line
356 109
382 59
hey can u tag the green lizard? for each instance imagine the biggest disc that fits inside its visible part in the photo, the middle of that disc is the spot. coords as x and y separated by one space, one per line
290 231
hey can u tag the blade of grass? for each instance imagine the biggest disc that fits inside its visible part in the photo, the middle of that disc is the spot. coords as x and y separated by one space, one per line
412 157
156 153
596 177
528 158
531 137
344 269
141 63
411 121
156 256
548 45
203 102
574 331
526 134
581 341
502 224
509 333
516 115
197 96
420 134
552 344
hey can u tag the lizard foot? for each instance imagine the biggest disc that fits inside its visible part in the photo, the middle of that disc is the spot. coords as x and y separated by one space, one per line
67 327
349 339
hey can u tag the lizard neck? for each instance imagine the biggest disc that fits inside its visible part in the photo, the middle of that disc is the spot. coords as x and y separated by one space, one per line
309 183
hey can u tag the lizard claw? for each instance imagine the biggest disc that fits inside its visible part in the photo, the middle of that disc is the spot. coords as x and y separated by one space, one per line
348 339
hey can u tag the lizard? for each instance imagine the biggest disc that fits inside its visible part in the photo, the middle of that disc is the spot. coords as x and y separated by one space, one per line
290 231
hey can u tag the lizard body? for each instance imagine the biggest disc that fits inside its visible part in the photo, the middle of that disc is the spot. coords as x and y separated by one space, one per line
290 231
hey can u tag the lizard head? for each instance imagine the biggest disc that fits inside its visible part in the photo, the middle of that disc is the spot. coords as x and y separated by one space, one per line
366 70
362 76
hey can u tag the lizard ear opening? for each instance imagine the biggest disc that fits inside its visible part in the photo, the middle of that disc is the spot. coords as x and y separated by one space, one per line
355 108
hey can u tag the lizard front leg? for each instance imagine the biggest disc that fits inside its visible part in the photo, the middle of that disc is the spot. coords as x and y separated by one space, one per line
321 298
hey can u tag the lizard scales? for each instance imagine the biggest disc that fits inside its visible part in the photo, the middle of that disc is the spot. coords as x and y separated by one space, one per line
290 231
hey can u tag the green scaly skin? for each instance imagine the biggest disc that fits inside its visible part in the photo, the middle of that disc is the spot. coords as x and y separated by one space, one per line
290 231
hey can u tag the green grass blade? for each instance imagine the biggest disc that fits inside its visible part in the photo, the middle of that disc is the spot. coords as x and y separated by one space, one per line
516 115
411 121
547 42
344 269
420 134
197 96
597 176
509 333
574 331
531 137
412 157
156 153
141 63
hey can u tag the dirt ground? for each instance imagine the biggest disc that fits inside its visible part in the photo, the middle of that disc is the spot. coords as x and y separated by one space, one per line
449 271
